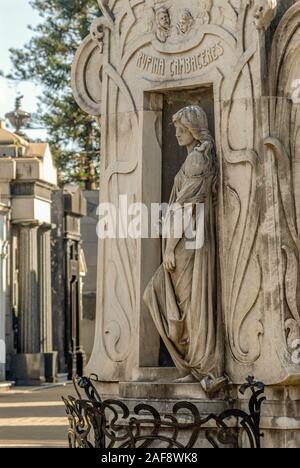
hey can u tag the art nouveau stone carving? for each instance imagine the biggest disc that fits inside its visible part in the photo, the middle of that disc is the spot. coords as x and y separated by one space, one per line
264 13
182 296
97 33
185 22
204 11
163 24
87 91
126 84
283 148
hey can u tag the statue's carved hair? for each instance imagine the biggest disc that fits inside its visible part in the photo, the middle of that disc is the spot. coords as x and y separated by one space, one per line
194 118
187 14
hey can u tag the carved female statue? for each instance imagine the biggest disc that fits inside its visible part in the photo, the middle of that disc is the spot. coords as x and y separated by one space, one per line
182 296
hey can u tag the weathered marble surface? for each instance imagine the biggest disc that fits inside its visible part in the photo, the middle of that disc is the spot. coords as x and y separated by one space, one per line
120 75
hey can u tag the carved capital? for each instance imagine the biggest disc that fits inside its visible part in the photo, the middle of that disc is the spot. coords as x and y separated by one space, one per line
46 227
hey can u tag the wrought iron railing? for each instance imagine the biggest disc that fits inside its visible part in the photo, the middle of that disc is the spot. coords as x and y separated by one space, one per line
94 423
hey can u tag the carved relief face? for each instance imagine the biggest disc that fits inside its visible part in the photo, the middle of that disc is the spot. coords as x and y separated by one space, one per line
183 135
97 33
264 12
185 22
163 20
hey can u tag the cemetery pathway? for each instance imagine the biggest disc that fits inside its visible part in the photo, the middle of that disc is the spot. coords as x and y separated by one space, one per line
34 417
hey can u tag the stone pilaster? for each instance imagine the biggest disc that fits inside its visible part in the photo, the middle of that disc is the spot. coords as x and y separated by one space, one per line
29 313
44 239
3 260
45 293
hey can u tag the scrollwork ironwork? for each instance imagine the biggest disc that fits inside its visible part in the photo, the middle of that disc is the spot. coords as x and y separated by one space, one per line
94 423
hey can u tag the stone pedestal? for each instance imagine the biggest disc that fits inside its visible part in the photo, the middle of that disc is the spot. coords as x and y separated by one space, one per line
6 386
50 360
28 369
280 420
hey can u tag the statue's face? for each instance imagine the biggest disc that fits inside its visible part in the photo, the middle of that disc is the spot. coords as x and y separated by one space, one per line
163 20
183 135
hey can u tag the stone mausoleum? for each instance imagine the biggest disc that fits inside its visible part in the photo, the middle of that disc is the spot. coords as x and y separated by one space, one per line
173 324
27 179
42 264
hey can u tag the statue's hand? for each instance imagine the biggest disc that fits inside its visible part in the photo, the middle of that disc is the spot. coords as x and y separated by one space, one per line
169 260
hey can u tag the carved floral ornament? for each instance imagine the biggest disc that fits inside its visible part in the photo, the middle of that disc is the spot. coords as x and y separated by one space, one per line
264 13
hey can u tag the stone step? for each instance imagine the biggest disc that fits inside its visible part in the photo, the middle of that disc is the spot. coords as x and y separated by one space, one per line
6 386
163 391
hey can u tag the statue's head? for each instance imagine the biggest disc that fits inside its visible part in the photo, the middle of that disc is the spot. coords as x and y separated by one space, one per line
191 125
163 18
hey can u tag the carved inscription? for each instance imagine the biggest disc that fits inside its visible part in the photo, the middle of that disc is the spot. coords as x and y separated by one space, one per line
193 63
153 65
180 66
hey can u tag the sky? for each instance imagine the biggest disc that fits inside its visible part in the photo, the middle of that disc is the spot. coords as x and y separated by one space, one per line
15 16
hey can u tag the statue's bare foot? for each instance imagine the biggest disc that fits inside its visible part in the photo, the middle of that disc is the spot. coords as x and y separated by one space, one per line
187 379
212 385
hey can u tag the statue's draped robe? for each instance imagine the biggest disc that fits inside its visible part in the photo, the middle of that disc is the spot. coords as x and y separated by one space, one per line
184 304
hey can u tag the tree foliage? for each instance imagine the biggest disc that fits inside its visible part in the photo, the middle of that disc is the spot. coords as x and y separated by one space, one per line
46 60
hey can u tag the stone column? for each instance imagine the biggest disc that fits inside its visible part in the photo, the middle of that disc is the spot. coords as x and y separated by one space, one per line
28 366
2 294
45 293
29 313
45 288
